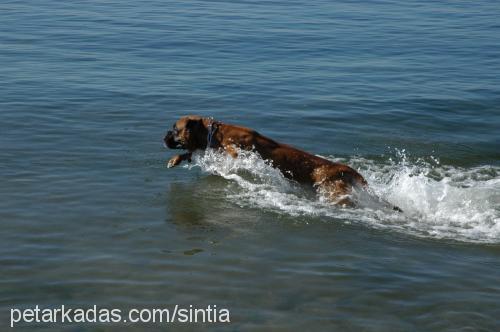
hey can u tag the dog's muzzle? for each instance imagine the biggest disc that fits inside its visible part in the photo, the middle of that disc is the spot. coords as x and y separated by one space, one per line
170 141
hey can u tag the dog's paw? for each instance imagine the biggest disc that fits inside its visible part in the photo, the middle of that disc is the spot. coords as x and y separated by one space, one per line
174 161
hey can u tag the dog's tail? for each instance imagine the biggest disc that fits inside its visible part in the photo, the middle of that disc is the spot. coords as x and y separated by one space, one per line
369 197
396 208
390 206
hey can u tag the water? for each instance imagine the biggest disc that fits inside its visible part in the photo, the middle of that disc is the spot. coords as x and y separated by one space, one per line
407 93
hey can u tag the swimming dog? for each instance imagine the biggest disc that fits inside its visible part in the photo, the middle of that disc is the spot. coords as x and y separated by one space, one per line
333 180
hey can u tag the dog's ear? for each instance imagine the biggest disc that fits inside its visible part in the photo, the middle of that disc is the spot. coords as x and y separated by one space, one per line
194 124
197 132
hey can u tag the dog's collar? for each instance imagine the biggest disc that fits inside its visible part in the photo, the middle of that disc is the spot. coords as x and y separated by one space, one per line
211 128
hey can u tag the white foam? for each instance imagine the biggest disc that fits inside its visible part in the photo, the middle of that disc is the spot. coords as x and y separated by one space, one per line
438 201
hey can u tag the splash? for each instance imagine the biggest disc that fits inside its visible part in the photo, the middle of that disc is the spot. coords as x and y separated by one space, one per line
438 201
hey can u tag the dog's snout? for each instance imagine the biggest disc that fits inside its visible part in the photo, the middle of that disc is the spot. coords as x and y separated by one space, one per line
170 140
167 137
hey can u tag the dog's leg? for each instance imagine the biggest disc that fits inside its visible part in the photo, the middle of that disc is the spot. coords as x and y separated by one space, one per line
345 202
336 192
231 150
177 159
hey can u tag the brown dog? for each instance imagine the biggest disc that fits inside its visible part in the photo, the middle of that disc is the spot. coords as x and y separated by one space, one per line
333 180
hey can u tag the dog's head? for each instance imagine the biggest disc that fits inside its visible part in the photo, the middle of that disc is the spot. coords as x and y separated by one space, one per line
189 133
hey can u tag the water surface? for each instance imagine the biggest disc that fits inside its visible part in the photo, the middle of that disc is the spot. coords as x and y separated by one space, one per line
405 92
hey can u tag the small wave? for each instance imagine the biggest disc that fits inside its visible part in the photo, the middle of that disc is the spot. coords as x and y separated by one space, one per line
439 201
